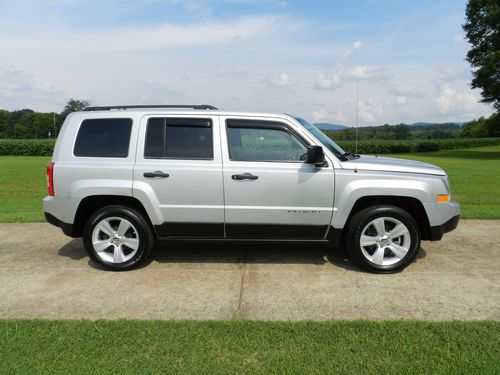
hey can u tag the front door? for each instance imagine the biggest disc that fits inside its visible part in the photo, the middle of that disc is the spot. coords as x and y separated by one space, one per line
269 189
179 170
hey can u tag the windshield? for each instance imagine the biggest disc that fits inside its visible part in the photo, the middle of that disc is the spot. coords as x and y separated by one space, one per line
322 137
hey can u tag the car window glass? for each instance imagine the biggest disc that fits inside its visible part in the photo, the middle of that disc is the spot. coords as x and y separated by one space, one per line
264 144
179 138
108 137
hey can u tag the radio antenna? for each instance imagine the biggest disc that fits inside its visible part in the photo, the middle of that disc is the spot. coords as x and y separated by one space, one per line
357 117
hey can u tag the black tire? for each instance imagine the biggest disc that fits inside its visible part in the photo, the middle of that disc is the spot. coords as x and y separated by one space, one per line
358 223
144 234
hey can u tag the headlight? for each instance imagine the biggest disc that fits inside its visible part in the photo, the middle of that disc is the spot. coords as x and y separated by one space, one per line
446 184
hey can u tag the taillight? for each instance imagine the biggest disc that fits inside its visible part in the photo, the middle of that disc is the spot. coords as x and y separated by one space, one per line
50 179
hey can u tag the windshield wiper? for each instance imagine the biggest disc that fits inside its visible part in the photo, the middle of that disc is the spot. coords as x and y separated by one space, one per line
348 156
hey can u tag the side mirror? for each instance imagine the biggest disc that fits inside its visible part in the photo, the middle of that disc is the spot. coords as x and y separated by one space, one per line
316 156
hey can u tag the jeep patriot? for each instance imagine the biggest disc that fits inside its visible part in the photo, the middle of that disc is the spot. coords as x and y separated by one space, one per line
125 177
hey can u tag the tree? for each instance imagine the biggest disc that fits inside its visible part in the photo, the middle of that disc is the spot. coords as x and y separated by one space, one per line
42 124
482 29
20 123
402 131
4 118
482 127
74 105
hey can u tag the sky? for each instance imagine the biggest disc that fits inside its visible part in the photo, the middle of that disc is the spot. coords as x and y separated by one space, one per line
305 58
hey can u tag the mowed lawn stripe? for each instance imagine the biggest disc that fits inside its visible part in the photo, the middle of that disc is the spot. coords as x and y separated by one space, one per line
246 347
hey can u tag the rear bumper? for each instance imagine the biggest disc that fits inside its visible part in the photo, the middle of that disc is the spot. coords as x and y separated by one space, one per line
437 232
54 209
66 228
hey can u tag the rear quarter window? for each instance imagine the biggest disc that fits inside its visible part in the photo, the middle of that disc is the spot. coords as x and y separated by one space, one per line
105 138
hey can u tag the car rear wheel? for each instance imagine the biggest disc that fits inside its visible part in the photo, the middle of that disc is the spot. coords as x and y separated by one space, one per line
383 239
118 238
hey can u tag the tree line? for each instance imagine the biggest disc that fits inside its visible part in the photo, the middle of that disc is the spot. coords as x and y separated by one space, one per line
480 128
26 123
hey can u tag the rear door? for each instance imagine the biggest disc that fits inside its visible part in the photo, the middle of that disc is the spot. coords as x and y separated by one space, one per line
179 170
270 192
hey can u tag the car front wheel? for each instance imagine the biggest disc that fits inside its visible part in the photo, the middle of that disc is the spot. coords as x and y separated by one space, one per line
383 239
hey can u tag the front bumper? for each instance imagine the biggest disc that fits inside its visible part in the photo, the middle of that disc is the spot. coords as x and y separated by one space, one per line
437 232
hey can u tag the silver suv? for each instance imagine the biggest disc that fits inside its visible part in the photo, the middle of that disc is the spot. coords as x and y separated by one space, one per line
124 177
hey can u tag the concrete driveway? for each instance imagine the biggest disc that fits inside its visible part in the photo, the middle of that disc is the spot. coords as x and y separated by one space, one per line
47 275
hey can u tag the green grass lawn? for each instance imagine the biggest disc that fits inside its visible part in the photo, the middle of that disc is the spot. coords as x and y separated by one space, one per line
474 175
22 187
246 347
406 347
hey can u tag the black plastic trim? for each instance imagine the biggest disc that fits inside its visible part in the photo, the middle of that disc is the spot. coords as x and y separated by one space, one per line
247 232
256 124
156 174
244 176
334 236
66 228
190 230
242 240
107 108
276 231
188 122
51 219
437 232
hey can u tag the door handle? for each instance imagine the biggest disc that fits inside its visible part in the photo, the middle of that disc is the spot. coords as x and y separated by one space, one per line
244 176
156 174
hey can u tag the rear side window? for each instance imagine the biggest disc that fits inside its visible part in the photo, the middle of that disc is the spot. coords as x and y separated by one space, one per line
179 138
105 138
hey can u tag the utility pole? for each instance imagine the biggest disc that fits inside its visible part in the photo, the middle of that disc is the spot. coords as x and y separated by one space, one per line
357 116
54 124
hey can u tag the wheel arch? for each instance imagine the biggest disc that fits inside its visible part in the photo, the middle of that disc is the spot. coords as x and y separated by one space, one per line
91 204
411 205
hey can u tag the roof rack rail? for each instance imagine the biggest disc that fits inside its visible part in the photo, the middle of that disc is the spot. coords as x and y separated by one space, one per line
107 108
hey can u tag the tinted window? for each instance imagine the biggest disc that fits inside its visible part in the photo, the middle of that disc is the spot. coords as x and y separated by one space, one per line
179 138
260 142
107 138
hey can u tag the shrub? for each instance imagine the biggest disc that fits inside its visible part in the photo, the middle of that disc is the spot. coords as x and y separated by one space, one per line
27 147
403 147
45 147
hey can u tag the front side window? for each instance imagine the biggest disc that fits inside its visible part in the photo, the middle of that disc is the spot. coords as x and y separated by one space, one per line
263 141
179 138
105 138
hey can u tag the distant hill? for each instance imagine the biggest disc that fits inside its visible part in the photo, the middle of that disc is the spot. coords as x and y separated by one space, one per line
415 126
329 126
421 123
437 124
428 126
399 132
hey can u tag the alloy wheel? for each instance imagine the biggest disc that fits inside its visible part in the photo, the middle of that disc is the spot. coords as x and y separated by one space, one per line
385 241
115 240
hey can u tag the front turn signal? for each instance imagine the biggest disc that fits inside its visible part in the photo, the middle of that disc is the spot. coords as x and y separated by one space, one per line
443 198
